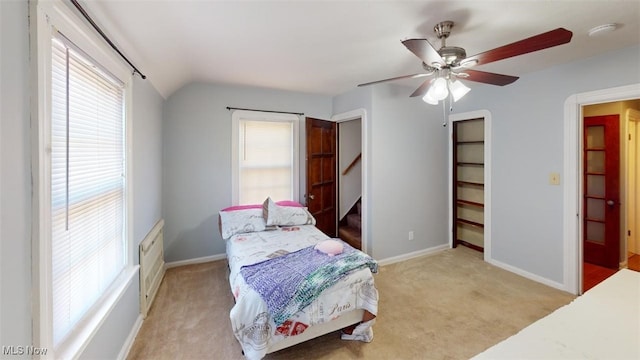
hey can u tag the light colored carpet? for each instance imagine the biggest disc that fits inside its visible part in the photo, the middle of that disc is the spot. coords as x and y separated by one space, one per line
451 305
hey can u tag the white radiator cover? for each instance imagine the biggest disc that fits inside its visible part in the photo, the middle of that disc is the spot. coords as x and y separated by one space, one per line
151 266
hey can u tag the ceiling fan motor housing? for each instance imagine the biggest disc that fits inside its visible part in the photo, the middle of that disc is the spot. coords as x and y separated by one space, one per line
443 29
452 55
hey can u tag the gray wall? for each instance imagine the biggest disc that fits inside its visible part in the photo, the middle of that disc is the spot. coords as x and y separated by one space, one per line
147 158
408 173
528 141
197 159
15 165
15 153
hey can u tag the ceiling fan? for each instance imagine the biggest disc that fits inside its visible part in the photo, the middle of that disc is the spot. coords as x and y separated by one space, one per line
451 62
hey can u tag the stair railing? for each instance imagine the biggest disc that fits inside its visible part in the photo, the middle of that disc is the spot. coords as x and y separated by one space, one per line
353 163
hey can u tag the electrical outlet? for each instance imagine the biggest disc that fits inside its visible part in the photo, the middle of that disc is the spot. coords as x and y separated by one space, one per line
554 179
410 235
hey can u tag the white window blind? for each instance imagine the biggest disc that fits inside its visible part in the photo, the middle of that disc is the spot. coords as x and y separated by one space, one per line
87 185
266 161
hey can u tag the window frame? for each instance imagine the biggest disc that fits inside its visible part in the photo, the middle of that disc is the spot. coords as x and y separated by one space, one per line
239 115
49 17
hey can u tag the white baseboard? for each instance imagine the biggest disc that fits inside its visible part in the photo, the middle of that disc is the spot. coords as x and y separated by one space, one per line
386 261
415 254
126 347
199 260
529 275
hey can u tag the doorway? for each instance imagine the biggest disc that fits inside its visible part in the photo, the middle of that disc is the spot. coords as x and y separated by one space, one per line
468 183
350 182
576 107
470 180
609 189
360 167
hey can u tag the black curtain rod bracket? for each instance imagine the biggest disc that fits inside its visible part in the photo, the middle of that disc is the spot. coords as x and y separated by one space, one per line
97 28
267 111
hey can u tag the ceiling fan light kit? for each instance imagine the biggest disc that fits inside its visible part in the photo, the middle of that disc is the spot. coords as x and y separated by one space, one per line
441 88
451 62
458 89
438 89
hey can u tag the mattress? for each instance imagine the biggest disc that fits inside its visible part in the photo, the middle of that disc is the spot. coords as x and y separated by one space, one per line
603 323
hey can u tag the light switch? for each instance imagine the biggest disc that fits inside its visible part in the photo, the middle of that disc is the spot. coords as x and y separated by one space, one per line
554 179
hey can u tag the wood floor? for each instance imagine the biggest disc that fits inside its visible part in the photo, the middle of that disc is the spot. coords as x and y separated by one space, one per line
634 262
594 274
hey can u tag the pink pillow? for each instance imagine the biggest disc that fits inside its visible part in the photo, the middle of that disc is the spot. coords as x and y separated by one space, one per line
289 203
330 247
242 207
259 206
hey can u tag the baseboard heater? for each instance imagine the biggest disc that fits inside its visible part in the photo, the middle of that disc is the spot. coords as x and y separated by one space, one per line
151 266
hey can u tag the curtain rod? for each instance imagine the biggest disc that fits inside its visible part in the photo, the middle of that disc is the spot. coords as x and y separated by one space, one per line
95 26
268 111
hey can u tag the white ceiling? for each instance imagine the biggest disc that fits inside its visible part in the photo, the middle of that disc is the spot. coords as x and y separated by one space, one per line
328 47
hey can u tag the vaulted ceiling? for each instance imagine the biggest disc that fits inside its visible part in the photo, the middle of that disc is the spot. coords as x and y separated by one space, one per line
328 47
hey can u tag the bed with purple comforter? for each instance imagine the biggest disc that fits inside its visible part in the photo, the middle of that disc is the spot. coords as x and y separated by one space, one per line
283 287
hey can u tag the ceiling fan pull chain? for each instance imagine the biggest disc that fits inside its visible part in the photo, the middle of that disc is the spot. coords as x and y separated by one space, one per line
450 102
444 114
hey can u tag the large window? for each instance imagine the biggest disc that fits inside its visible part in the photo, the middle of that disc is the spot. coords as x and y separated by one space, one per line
265 156
87 184
82 255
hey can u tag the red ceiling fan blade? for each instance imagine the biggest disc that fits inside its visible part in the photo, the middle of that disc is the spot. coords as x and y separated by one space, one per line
542 41
397 78
425 51
420 91
488 78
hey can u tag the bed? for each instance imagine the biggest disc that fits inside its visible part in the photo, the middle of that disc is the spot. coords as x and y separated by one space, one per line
603 323
270 244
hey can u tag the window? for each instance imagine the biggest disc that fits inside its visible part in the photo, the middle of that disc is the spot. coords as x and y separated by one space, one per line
265 156
87 184
82 254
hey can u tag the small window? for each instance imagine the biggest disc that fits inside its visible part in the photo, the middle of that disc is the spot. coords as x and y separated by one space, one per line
265 156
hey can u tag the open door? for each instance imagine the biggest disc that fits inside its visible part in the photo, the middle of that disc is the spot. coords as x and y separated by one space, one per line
321 138
601 198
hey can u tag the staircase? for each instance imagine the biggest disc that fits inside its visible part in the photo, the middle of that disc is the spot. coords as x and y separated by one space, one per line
350 227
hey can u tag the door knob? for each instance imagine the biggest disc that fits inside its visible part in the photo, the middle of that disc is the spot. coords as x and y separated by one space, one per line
610 202
311 196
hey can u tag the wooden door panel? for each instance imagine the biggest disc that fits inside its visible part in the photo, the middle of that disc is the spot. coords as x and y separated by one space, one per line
601 184
322 173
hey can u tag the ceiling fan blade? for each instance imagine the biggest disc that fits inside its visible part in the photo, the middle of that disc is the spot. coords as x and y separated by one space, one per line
425 51
420 91
397 78
488 78
542 41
